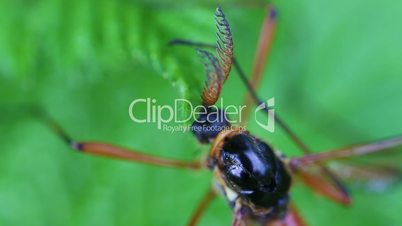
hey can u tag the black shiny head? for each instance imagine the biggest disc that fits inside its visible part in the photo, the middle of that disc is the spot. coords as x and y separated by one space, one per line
252 169
209 123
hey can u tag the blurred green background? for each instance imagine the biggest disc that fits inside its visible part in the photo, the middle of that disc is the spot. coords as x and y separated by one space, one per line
335 71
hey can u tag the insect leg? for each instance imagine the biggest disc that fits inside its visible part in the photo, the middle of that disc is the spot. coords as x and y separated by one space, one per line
185 42
347 152
202 206
315 180
261 55
321 185
116 152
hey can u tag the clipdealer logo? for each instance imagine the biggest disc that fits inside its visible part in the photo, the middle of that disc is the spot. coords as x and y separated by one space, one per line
163 115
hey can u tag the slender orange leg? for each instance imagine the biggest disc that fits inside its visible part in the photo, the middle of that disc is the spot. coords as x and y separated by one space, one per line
208 198
321 185
260 60
348 152
112 151
369 173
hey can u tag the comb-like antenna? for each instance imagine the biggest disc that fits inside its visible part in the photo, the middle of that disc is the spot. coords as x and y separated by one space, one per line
215 78
217 69
224 44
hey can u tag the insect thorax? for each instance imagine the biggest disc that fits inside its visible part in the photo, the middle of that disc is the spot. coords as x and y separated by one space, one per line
250 174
